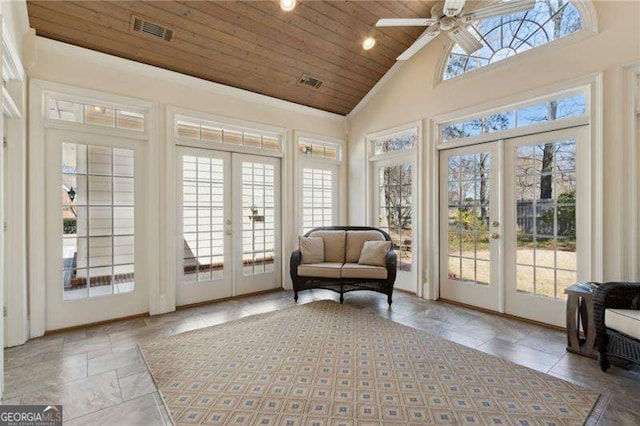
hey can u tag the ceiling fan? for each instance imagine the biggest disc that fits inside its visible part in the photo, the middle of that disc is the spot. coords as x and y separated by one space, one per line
452 17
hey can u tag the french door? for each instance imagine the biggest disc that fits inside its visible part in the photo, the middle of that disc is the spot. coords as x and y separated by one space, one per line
470 226
96 259
229 224
514 223
393 211
547 240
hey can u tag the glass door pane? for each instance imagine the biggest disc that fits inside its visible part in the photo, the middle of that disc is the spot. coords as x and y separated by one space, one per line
97 220
395 184
203 218
393 212
258 219
545 188
468 207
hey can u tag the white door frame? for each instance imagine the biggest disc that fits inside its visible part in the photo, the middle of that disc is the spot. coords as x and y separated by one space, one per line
592 86
68 313
39 124
418 152
169 229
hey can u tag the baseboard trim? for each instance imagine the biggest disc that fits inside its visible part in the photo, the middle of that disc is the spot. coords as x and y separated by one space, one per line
94 324
146 314
226 299
503 315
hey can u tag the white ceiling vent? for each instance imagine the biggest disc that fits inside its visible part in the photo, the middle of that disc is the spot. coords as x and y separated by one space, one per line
307 80
151 29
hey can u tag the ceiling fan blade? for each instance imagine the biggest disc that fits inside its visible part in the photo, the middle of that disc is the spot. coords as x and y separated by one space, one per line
410 22
465 39
503 8
429 34
453 7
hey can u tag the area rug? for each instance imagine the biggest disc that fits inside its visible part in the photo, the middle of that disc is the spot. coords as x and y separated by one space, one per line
324 363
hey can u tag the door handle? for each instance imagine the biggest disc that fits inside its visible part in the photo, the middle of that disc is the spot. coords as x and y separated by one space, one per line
495 236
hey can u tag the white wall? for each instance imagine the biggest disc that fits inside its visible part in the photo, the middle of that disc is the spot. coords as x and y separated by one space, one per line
412 94
63 63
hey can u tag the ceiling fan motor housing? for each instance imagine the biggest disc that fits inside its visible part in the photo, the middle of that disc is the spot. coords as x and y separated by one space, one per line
447 23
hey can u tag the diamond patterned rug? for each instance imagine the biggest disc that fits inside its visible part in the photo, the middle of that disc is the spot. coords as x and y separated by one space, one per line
324 363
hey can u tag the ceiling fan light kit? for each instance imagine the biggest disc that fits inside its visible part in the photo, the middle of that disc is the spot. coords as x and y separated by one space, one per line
450 16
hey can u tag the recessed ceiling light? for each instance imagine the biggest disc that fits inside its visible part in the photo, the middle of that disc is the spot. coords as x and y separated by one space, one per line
368 43
287 5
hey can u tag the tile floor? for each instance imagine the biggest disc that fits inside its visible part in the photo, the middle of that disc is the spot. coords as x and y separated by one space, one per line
99 377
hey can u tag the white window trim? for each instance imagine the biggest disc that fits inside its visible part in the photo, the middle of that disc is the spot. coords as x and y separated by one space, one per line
590 28
416 154
631 125
593 83
111 102
38 124
300 160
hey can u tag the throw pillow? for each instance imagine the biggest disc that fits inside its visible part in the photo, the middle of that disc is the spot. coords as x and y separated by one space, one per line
374 253
312 249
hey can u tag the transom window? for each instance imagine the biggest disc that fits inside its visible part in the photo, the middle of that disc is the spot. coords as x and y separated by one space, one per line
508 35
561 108
397 142
226 135
94 115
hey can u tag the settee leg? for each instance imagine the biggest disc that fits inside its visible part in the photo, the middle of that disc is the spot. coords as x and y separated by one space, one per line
341 298
389 301
603 361
295 296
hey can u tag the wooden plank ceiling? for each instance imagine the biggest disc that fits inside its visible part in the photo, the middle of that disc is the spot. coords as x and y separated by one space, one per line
252 45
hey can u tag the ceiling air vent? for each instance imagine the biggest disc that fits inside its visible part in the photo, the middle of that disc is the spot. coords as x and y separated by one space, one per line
307 80
151 29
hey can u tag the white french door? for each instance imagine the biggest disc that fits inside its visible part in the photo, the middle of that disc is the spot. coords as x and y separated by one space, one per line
547 238
470 226
393 211
95 229
514 223
229 224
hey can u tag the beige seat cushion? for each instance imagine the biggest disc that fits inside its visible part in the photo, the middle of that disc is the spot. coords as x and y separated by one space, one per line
334 244
311 249
320 270
374 253
626 321
355 240
355 270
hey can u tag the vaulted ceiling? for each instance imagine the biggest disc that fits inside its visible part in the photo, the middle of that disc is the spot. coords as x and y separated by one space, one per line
252 45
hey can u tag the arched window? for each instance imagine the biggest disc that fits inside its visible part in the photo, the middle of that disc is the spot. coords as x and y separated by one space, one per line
507 35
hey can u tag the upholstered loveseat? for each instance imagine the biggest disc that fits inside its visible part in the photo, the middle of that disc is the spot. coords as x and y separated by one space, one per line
616 315
342 268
